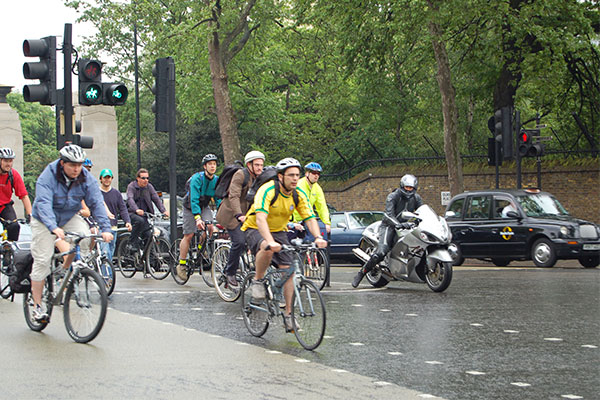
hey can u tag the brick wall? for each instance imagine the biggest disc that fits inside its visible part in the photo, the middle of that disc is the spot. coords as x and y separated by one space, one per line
577 190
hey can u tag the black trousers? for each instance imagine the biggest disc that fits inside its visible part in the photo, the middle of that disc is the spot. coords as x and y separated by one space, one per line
12 230
387 237
140 229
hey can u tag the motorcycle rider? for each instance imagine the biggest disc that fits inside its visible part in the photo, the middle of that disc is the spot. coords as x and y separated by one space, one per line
405 198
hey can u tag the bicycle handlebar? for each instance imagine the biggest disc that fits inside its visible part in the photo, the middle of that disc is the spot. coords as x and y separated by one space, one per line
19 220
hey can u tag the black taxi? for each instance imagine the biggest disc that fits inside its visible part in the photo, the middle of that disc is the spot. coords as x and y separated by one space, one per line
505 225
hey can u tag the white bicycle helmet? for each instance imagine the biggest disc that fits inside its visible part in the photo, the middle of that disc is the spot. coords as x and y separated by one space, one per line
72 153
287 163
254 155
7 152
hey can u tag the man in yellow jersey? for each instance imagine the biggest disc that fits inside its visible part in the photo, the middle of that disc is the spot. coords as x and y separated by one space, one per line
316 197
266 224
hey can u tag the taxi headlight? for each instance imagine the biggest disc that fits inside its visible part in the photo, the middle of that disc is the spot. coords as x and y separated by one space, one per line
564 231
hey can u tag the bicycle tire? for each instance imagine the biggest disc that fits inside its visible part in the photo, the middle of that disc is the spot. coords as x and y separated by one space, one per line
28 307
309 312
108 274
317 267
175 262
207 276
219 262
158 258
256 318
125 260
5 274
85 305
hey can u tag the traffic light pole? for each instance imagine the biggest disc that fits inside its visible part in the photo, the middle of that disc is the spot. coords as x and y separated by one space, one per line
68 91
172 149
518 155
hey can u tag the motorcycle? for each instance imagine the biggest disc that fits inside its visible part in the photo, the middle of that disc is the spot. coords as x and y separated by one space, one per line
421 254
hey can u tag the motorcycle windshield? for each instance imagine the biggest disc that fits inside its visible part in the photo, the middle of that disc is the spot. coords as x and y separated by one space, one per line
431 223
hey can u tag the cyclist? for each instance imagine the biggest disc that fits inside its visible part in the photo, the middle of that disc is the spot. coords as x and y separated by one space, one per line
265 228
401 199
58 194
196 212
232 211
140 197
11 181
117 208
88 164
316 198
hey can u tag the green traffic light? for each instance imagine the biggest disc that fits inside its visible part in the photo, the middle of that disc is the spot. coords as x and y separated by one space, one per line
117 94
92 93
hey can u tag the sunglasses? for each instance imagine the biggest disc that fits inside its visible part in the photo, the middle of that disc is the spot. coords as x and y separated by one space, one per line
315 173
144 177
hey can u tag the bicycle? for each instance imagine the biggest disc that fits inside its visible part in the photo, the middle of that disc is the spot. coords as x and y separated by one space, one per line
315 265
219 262
81 292
7 259
308 310
154 258
199 256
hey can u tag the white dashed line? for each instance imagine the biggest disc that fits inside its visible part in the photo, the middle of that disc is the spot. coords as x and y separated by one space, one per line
382 383
177 305
510 331
333 302
428 396
412 315
138 297
476 324
571 396
242 344
589 346
341 371
475 372
356 344
520 384
385 310
394 353
302 360
219 313
357 305
156 301
328 337
553 339
272 352
197 309
239 318
434 362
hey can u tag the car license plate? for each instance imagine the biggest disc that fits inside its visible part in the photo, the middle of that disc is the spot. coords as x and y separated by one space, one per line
591 246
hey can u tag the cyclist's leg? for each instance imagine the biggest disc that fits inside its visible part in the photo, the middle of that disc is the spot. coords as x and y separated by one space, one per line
262 259
238 243
138 224
283 261
13 229
79 225
42 248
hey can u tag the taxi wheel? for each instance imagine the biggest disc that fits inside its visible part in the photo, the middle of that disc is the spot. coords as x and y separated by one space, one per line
543 253
589 261
457 258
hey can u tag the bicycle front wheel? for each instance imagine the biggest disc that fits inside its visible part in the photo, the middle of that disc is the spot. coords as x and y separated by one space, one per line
309 313
205 267
316 267
219 262
158 258
256 316
125 259
85 305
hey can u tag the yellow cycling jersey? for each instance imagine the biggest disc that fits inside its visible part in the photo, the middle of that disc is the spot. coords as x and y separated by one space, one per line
279 213
316 199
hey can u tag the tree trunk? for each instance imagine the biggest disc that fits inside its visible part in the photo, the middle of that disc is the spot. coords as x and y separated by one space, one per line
449 110
225 115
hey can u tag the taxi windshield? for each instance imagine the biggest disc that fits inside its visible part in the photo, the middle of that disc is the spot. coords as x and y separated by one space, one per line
541 205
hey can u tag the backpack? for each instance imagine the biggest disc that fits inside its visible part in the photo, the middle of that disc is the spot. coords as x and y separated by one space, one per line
11 179
222 188
186 198
269 174
20 282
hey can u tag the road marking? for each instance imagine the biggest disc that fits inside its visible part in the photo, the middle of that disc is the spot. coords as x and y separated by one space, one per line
476 324
357 305
333 302
510 331
553 339
328 337
138 297
412 315
197 309
239 318
382 383
272 352
589 346
301 360
218 313
394 353
177 304
356 344
156 301
385 310
475 372
341 371
571 396
434 362
428 396
520 384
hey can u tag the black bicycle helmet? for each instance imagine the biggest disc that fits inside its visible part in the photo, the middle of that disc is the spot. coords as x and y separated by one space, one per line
209 157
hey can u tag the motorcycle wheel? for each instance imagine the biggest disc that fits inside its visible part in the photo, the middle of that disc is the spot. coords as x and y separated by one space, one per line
439 279
375 277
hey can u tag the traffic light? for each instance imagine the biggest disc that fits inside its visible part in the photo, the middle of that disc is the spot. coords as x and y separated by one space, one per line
44 70
90 82
492 153
114 94
527 146
164 93
503 131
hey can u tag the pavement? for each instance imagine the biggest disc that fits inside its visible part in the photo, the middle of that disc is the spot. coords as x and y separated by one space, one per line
139 357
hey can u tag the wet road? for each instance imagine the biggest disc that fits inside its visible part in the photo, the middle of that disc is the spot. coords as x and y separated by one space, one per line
496 333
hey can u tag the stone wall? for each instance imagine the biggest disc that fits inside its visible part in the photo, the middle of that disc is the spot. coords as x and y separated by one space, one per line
577 189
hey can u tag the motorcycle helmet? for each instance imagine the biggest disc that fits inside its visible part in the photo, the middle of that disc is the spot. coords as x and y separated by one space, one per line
209 157
7 152
313 166
286 163
72 153
254 155
408 180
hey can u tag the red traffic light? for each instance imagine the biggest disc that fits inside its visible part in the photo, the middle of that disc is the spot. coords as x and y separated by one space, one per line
92 70
524 137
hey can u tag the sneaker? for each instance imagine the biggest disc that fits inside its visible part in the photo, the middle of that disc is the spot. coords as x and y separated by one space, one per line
258 291
232 281
359 277
39 314
182 271
290 324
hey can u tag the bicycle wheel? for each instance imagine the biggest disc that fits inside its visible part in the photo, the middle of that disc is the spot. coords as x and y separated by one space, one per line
205 266
28 305
219 262
175 262
125 259
256 317
158 258
316 266
108 274
309 313
5 273
85 305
